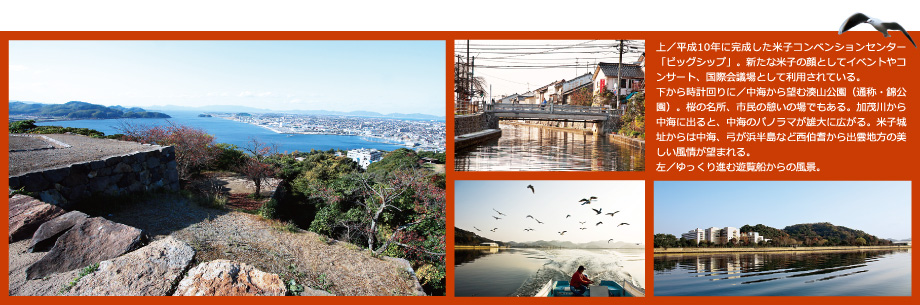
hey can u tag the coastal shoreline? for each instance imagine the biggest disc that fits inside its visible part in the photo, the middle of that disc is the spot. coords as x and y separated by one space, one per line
660 251
367 138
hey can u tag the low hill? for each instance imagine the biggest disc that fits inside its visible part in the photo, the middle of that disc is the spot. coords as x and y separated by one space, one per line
827 234
599 244
80 110
466 238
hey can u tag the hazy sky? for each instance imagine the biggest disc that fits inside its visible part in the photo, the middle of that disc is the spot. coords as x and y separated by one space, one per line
381 76
880 208
550 203
493 57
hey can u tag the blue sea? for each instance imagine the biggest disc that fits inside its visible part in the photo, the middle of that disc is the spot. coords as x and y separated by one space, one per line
237 133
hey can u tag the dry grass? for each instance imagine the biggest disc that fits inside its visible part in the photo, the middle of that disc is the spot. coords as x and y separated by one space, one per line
310 259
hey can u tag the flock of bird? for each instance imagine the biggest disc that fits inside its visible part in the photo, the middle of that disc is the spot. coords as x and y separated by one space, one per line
583 201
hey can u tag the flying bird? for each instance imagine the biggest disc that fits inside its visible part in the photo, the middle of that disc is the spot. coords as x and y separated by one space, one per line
598 211
477 229
622 224
599 223
614 213
584 201
582 228
593 197
496 217
609 240
567 216
499 213
879 25
493 230
538 221
528 216
562 233
531 188
582 222
528 229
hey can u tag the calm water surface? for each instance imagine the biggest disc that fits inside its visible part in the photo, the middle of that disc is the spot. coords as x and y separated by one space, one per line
522 272
528 148
851 273
237 133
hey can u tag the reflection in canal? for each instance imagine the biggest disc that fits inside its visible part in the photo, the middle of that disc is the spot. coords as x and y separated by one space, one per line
530 148
848 273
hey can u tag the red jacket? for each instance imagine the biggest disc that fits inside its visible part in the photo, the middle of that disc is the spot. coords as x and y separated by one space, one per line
579 279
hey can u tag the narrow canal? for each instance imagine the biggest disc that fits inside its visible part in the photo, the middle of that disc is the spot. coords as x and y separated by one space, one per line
531 148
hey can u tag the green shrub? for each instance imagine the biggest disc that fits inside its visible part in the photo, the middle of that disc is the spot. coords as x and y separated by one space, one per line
269 209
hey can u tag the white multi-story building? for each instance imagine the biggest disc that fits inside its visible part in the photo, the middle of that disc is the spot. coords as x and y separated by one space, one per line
696 235
364 156
712 235
729 233
754 237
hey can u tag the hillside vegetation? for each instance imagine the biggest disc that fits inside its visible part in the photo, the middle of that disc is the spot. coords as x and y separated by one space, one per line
81 110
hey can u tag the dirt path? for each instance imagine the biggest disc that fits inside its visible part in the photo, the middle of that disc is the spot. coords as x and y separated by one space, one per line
308 258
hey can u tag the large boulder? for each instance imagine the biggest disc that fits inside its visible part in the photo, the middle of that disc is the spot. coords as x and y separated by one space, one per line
149 271
27 214
94 240
49 231
228 278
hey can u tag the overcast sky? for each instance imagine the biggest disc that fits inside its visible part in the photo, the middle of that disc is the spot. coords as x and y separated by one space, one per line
381 76
880 208
550 202
517 66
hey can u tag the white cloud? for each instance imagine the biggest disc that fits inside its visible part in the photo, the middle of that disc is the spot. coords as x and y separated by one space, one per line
254 94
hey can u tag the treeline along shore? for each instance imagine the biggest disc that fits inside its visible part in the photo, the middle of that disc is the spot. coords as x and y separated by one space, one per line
773 249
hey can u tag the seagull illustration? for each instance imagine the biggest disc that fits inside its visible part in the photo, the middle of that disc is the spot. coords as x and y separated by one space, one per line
499 213
567 216
622 224
599 223
598 211
531 188
562 233
496 217
477 229
614 213
609 240
493 229
879 25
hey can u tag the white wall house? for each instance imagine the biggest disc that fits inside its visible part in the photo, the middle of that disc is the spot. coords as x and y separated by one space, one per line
364 156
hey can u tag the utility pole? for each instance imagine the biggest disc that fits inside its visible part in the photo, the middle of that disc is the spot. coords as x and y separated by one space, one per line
619 68
469 79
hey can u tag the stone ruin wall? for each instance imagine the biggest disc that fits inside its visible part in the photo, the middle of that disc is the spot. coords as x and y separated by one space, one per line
116 175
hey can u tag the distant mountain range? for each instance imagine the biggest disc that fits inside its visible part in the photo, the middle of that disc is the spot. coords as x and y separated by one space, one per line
467 238
236 109
79 110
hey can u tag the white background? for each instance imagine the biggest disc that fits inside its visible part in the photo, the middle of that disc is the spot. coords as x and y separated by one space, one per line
431 15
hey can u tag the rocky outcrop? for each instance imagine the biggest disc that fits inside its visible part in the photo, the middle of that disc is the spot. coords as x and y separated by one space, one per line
92 241
27 214
406 265
49 231
229 278
150 271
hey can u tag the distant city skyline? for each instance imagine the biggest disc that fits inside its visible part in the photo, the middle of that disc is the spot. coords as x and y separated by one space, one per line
378 76
880 208
477 202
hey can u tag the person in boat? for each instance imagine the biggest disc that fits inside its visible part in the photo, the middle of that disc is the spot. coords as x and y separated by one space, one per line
579 283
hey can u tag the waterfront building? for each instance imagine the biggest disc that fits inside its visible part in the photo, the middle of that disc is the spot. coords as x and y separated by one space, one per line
364 156
695 235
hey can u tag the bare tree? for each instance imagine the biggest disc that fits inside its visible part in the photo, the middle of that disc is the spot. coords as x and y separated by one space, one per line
254 167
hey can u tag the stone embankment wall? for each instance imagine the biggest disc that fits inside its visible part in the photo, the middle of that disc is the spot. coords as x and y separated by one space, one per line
773 249
465 124
115 175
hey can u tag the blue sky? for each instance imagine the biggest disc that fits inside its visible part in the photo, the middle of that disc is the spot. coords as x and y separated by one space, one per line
880 208
550 202
381 76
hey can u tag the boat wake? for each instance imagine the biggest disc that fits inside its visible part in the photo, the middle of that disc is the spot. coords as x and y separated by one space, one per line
600 265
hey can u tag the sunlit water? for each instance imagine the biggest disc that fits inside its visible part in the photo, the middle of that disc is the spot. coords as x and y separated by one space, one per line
522 272
528 148
237 133
851 273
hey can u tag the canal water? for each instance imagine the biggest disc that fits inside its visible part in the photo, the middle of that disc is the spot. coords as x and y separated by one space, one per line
849 273
530 148
522 272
